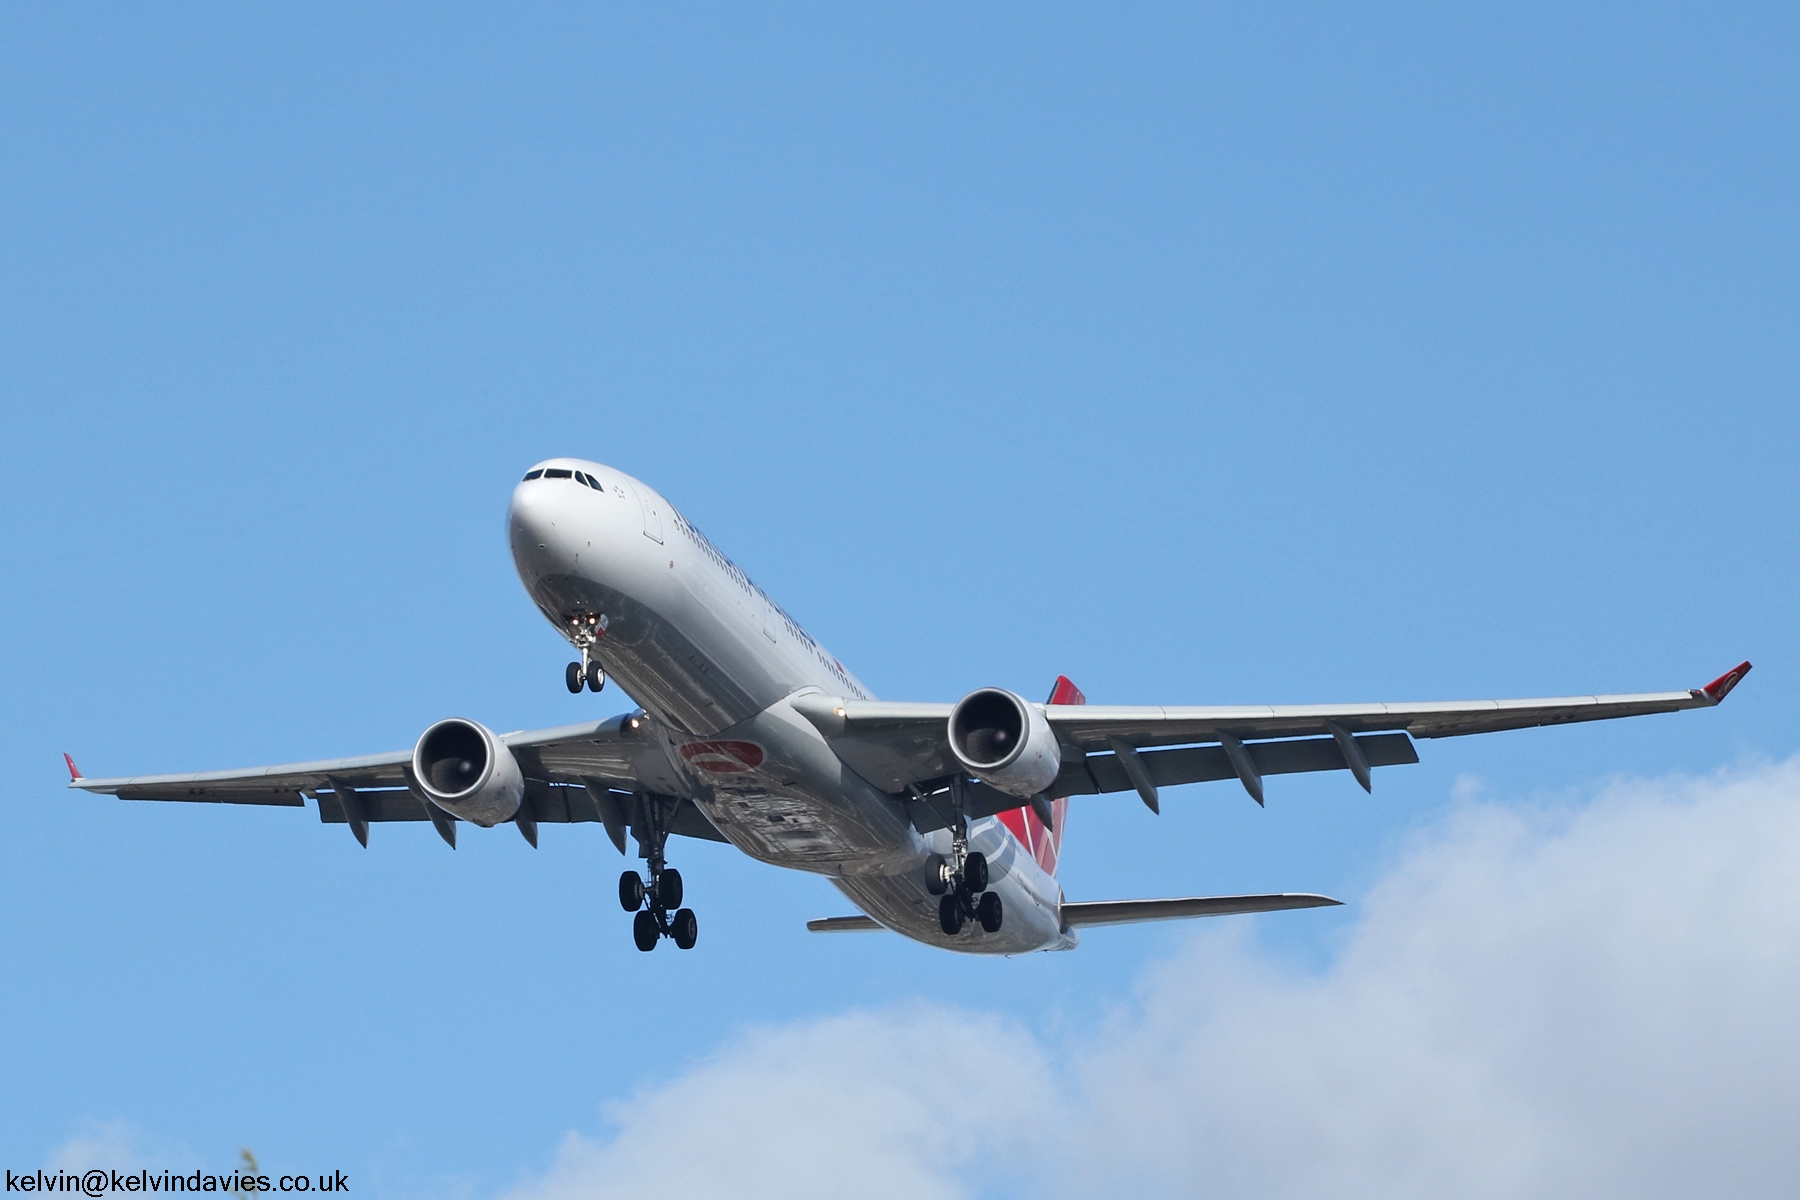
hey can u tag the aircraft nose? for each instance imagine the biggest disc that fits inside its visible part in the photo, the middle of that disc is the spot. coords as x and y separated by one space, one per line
535 522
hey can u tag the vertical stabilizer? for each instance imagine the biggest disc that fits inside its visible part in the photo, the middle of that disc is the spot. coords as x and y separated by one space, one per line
1045 842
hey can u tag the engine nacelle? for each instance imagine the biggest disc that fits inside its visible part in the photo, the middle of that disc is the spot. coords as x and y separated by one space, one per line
469 772
1004 742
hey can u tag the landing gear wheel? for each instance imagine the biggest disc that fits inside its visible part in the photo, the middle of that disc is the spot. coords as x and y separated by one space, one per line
988 912
937 875
668 888
685 928
596 678
975 873
572 677
631 891
950 914
644 931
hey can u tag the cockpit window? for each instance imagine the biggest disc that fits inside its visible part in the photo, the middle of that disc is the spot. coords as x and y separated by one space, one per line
580 478
596 484
557 473
534 474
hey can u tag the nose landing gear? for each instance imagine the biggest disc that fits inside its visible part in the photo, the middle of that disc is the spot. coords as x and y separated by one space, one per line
587 671
586 630
652 901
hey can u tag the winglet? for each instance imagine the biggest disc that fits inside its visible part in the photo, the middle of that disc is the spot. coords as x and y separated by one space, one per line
74 771
1721 687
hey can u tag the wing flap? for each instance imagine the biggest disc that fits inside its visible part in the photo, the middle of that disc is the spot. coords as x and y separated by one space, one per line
286 797
377 805
554 804
1204 764
1099 773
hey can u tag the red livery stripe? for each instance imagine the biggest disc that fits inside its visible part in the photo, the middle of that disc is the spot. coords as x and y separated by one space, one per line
1045 844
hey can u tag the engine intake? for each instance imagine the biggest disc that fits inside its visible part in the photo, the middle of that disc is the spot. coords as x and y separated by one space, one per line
1004 742
469 772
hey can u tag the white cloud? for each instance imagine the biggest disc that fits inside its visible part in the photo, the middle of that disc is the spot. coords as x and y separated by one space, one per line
114 1146
801 1111
1593 999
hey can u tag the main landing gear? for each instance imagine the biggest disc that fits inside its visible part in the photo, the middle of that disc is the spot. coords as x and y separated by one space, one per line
652 901
586 630
962 881
969 899
656 922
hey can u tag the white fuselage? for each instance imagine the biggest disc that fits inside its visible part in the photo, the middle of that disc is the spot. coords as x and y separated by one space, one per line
713 661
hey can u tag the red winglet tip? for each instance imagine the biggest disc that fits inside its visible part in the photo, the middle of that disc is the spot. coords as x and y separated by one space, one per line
74 771
1721 687
1065 692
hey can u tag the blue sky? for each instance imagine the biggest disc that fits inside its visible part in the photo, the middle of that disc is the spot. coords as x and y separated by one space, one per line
1300 354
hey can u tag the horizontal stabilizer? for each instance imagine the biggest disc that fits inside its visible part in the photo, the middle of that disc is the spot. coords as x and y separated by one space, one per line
843 925
1127 912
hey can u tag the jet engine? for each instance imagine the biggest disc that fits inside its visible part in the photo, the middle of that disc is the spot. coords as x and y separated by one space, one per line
468 772
1004 742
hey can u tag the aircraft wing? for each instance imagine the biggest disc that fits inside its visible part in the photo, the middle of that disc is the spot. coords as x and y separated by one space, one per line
593 771
1116 749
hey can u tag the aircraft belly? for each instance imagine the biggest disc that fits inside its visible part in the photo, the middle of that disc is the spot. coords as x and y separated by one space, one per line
774 789
792 829
654 660
902 904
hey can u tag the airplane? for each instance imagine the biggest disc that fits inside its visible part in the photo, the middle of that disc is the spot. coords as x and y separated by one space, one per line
942 822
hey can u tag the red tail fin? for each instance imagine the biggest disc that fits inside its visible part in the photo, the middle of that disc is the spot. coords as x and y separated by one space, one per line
1045 843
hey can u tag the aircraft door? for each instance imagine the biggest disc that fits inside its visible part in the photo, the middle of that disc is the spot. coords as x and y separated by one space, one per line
652 515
